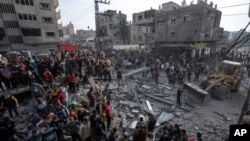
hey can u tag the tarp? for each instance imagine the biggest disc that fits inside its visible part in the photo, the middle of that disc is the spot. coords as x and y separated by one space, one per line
69 48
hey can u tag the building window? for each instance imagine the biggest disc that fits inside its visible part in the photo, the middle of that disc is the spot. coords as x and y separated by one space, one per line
31 32
7 8
27 17
186 18
160 21
11 24
17 1
172 33
47 20
20 16
44 5
140 17
173 20
50 34
16 39
25 2
34 17
2 33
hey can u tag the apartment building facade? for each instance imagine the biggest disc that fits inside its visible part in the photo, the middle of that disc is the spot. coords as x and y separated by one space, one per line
143 28
184 27
29 25
113 29
68 29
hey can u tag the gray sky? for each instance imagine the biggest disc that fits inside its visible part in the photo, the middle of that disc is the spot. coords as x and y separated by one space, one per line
81 12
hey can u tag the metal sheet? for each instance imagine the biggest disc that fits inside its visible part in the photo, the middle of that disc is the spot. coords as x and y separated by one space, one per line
149 105
164 117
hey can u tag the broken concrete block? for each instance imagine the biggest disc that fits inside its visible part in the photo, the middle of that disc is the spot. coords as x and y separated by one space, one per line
135 111
178 113
146 87
130 115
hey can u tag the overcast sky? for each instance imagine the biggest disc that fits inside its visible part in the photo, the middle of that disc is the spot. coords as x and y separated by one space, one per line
81 12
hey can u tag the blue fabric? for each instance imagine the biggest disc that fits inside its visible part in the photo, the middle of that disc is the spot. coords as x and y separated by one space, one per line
6 71
63 113
49 134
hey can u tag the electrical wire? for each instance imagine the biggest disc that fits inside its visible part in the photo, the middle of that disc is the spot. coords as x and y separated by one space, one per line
236 14
85 10
234 5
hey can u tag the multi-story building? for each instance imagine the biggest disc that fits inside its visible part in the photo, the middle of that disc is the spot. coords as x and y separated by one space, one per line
29 25
82 35
180 28
143 28
113 29
68 29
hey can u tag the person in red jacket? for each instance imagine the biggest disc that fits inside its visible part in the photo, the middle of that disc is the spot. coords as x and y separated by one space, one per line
49 78
72 82
61 97
108 114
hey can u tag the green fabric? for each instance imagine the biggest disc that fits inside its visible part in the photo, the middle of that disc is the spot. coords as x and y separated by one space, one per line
73 103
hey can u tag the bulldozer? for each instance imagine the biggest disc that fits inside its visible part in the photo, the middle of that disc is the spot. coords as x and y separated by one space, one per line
217 85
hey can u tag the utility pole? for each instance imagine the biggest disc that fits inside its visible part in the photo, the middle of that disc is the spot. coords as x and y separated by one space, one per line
97 40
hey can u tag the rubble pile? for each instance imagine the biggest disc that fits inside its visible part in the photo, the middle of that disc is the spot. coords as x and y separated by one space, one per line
139 96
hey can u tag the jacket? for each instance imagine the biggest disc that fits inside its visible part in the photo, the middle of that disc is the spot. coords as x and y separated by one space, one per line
9 102
37 89
85 130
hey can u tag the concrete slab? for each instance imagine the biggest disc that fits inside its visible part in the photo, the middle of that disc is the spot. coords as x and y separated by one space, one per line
133 72
159 99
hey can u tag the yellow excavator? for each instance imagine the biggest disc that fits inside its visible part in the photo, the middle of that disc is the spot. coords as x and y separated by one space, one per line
218 85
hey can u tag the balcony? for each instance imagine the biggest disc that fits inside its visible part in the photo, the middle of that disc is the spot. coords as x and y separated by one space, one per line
33 40
58 15
28 24
56 3
144 21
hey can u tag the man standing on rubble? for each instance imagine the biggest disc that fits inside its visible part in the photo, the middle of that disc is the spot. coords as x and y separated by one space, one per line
179 95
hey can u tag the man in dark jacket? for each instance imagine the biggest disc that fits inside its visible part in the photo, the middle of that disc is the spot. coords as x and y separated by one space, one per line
112 136
136 135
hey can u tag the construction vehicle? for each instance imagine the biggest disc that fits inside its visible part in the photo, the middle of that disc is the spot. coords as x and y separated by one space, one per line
218 85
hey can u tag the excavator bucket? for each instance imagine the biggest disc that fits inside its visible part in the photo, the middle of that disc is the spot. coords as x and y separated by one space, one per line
195 93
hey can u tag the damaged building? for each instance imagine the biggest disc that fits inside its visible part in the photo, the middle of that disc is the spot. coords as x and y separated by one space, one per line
175 30
191 30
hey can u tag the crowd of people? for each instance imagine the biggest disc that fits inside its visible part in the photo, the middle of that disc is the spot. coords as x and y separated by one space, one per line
53 78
